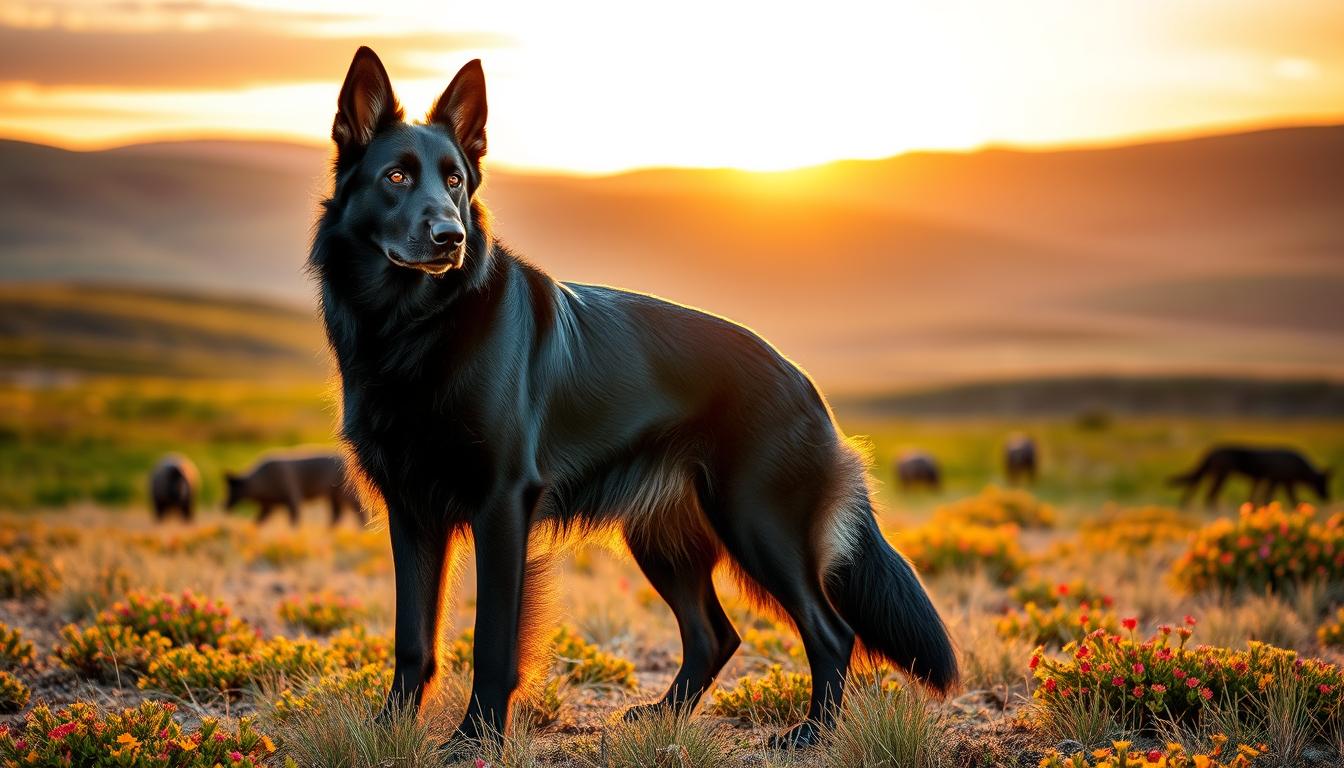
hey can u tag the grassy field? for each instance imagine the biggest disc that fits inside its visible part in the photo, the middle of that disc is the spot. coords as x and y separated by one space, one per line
77 541
93 440
286 632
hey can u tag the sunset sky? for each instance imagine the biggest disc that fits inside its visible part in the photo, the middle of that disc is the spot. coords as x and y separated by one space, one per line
592 87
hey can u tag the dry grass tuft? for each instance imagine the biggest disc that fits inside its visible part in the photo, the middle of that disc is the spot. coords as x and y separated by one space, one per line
342 731
1086 719
884 727
664 738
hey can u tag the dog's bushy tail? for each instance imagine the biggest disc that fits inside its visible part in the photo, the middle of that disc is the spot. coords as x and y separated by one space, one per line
878 593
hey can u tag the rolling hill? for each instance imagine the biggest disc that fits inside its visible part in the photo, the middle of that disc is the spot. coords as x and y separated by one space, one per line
47 330
1218 255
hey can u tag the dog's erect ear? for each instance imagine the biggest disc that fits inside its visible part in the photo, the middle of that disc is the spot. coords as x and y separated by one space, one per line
462 110
366 103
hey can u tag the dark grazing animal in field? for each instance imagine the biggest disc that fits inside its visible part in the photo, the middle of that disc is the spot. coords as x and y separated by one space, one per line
172 487
1268 469
917 469
482 398
1019 459
289 480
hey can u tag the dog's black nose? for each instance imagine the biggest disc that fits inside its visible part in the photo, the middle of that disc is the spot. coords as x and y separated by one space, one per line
447 232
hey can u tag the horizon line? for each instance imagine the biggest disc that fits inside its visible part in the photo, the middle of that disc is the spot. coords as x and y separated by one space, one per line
1206 131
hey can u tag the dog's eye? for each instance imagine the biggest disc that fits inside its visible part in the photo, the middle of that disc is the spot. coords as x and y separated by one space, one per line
454 180
398 176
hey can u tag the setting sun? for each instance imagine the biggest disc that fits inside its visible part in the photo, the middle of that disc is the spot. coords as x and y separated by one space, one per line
609 86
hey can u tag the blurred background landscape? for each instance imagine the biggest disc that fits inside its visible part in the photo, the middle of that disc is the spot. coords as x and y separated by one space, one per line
1195 278
1114 228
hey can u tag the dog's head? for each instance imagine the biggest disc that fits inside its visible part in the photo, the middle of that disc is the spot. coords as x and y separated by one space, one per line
404 191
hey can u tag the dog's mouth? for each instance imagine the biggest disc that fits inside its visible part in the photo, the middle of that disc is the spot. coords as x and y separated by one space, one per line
438 264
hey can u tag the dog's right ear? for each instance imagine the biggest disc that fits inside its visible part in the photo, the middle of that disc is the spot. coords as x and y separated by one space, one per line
366 104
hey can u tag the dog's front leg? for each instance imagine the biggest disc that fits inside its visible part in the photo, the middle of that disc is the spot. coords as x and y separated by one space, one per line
419 551
500 532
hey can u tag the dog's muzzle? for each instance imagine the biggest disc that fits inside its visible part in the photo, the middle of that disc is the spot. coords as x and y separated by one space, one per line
439 264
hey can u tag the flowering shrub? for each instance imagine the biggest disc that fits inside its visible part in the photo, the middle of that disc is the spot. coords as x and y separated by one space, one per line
1141 680
24 576
355 647
775 645
1135 529
1057 625
1120 755
13 694
188 619
14 650
998 506
109 652
1331 633
188 669
1049 594
144 737
1057 613
583 663
320 613
1264 548
369 683
940 548
777 697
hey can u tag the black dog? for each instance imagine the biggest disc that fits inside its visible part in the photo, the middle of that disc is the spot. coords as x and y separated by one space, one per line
483 397
1268 469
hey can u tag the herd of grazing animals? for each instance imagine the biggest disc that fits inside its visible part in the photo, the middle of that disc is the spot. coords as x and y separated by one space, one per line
1269 470
287 480
284 480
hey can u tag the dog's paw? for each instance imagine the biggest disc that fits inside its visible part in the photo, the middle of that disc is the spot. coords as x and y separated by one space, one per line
640 710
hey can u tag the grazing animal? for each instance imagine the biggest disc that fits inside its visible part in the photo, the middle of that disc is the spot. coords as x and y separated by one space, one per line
289 480
482 398
917 469
172 487
1019 459
1268 469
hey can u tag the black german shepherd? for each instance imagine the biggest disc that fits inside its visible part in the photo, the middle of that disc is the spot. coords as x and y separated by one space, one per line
1268 469
483 398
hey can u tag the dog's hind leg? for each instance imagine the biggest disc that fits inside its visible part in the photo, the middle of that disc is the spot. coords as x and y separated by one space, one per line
768 531
684 578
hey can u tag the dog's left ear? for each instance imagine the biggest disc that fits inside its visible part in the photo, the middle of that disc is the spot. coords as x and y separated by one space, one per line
462 110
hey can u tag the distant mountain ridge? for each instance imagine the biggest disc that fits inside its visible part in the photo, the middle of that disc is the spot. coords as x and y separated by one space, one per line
1215 254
